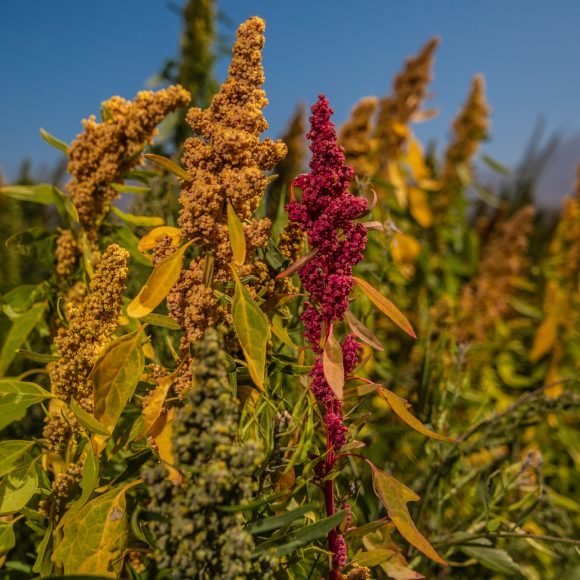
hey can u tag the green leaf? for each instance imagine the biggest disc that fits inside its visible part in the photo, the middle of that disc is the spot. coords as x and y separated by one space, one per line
7 537
161 320
253 331
16 397
115 376
401 407
277 522
12 453
138 220
385 306
37 356
125 188
54 142
288 543
169 166
164 276
65 207
42 193
18 301
130 242
495 165
18 334
395 496
237 236
332 365
91 424
17 488
43 564
494 559
36 242
94 541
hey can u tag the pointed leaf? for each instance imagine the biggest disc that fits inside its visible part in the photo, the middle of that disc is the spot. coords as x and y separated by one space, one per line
169 165
153 417
12 454
37 356
17 488
7 537
43 193
125 188
300 263
138 220
401 407
164 276
94 542
16 397
416 160
385 306
91 424
147 242
333 365
161 320
362 332
495 559
253 331
545 338
237 236
54 141
395 496
164 444
115 376
279 521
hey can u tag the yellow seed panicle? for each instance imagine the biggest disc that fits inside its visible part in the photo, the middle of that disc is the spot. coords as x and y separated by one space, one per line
66 254
469 129
355 136
486 299
397 110
105 151
90 327
227 162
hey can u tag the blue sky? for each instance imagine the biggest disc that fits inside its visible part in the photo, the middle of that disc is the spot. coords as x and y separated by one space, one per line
61 58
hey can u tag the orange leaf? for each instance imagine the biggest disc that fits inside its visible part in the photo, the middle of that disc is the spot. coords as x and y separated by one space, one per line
333 365
301 262
362 332
401 407
163 442
395 496
385 306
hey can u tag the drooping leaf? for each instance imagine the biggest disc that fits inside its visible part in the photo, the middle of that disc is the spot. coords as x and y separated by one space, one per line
17 488
94 541
253 331
279 521
137 220
169 165
7 537
288 543
126 188
115 376
237 236
395 496
161 280
361 331
385 306
494 559
18 334
153 417
42 193
401 407
16 397
332 365
545 338
300 263
147 242
161 320
37 356
12 454
87 420
164 444
54 141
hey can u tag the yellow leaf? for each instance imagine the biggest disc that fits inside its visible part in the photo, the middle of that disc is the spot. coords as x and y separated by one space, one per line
333 365
164 444
161 280
416 160
237 236
169 165
545 338
395 496
147 242
401 407
153 417
405 249
138 220
398 183
419 207
253 331
430 184
385 306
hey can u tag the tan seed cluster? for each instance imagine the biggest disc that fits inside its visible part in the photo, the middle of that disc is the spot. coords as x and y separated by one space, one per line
90 328
104 152
66 253
227 162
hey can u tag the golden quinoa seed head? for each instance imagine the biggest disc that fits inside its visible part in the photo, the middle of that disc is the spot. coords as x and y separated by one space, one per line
227 162
66 253
90 327
105 151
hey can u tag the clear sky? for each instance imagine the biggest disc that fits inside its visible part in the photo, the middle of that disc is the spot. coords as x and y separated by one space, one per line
61 58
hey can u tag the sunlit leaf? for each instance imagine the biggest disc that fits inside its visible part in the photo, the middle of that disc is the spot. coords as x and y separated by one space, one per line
419 207
169 166
253 331
161 280
164 445
17 488
545 338
125 188
7 537
424 115
16 397
137 220
54 141
385 306
94 541
361 331
401 407
395 496
161 320
43 193
147 242
333 366
12 453
237 236
416 160
87 420
153 416
398 183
